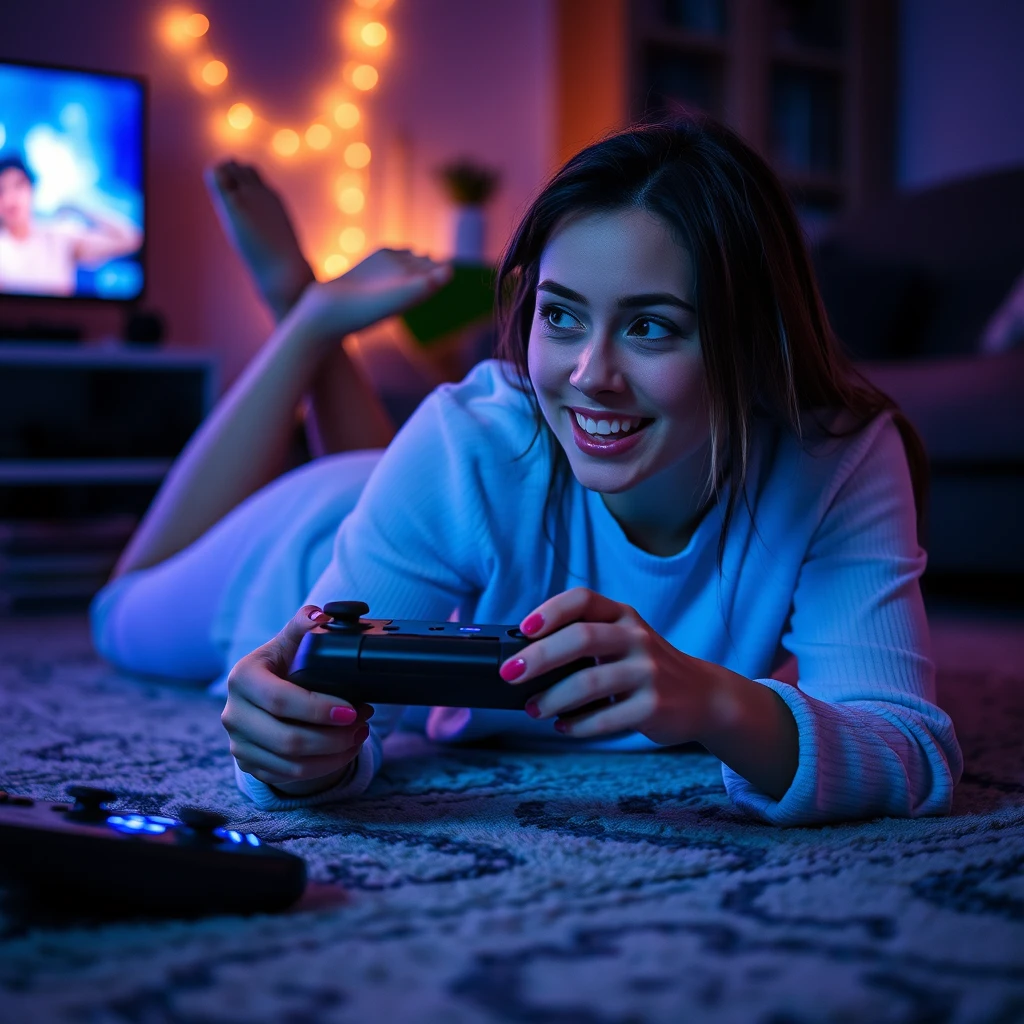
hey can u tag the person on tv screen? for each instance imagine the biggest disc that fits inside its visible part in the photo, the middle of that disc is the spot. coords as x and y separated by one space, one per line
41 257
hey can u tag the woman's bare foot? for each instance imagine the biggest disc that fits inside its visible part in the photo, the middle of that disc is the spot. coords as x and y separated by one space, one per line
257 223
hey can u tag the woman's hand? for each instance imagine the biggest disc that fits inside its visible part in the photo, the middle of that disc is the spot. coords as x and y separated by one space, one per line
293 739
646 684
385 283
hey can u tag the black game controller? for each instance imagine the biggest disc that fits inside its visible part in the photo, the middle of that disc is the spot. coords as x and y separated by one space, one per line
394 661
82 856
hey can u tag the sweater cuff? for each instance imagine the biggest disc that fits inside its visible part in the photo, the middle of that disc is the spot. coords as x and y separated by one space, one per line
353 783
802 803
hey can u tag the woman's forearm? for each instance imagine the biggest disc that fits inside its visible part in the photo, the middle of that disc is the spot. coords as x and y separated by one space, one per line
751 729
238 448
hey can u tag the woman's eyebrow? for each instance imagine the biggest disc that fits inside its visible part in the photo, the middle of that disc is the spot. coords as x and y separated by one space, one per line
630 302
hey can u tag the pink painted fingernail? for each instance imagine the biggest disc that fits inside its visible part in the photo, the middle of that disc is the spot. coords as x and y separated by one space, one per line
531 709
513 669
561 726
343 716
532 623
317 615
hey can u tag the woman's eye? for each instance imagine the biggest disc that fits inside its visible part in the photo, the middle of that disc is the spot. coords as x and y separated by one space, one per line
653 330
560 319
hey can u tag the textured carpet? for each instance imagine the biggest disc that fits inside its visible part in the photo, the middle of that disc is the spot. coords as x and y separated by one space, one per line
489 885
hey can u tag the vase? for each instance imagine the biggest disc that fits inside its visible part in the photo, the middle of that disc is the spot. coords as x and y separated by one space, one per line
468 241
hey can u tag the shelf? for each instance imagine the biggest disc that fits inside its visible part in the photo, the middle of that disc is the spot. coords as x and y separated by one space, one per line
810 59
686 41
36 472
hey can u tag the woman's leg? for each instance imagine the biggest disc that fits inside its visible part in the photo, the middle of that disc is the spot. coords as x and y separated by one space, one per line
343 411
180 618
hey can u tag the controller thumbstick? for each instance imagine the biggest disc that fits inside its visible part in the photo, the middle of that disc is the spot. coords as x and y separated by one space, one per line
345 615
202 823
89 802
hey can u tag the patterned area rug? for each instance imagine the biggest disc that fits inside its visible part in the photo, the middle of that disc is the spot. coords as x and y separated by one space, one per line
487 885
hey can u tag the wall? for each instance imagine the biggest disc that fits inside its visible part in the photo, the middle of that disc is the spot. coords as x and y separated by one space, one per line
462 78
961 88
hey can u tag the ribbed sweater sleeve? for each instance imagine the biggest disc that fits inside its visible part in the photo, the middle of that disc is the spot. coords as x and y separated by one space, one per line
872 741
416 546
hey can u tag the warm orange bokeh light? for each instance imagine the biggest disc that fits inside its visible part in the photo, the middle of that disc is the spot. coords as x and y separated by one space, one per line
285 142
352 239
373 34
346 115
357 154
336 264
364 77
195 25
352 199
240 116
318 136
215 72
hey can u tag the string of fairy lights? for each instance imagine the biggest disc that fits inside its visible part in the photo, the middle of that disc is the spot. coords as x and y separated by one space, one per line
337 125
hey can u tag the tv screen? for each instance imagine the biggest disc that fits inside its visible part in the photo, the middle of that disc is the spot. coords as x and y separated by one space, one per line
71 183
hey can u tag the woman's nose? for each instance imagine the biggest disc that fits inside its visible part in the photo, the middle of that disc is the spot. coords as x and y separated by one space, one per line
596 368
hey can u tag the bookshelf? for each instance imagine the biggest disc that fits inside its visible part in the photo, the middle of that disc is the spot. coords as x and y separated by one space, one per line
87 434
810 84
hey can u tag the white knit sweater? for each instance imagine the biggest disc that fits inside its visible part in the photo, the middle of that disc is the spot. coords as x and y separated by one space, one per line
451 520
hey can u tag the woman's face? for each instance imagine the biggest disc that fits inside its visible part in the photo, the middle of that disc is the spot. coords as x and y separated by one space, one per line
614 342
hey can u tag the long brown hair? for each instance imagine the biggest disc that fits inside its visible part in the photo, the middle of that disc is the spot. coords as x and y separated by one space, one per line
767 346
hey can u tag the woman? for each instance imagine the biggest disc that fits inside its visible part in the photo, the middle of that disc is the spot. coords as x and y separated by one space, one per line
674 469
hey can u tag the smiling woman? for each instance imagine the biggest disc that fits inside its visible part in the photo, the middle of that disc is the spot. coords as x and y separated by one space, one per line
673 472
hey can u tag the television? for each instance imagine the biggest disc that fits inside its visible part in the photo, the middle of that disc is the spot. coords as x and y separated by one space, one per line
72 183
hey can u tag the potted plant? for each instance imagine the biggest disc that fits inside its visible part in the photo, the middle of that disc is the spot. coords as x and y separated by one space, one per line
468 185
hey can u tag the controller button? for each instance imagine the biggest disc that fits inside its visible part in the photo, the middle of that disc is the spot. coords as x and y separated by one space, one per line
203 824
21 801
516 633
345 615
89 801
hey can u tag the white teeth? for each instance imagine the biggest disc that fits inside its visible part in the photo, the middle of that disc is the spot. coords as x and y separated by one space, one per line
604 427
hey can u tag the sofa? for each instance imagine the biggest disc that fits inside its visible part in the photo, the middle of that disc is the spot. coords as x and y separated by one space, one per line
910 286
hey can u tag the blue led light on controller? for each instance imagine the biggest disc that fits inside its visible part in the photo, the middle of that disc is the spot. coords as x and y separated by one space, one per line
155 825
140 824
469 629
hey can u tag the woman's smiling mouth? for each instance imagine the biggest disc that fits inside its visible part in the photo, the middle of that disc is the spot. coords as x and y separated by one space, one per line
606 433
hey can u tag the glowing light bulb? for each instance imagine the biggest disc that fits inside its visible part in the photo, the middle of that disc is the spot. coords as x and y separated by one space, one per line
318 136
336 264
240 116
374 33
215 72
346 115
357 154
195 25
352 239
351 199
285 142
364 77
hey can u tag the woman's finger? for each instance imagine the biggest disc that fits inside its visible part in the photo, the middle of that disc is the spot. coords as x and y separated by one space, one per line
578 604
600 682
622 716
273 769
577 640
289 739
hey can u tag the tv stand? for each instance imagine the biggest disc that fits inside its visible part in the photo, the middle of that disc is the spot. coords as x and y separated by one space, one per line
87 434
